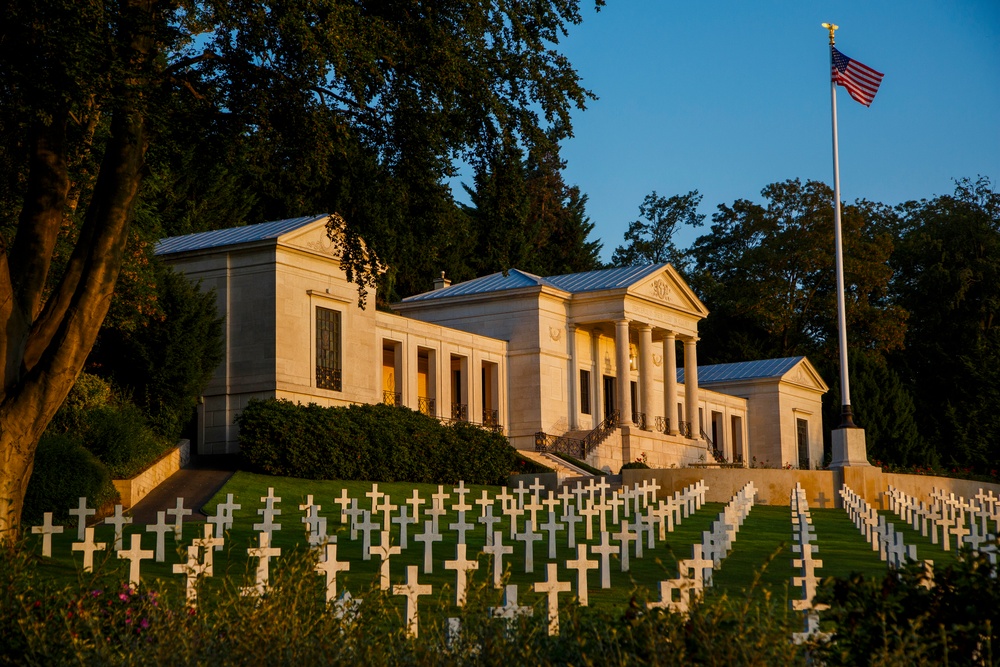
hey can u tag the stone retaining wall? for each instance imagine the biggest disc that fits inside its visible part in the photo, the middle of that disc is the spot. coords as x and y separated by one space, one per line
135 489
821 486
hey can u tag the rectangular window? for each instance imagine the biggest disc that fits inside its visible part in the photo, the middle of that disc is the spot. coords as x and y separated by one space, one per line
584 392
802 431
328 357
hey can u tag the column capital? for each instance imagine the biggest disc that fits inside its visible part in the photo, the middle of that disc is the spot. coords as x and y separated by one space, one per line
645 327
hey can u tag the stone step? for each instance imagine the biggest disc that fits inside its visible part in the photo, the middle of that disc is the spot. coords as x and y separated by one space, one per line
562 468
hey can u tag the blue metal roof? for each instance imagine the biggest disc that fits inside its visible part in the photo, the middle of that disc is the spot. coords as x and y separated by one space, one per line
743 370
574 283
232 236
495 282
603 279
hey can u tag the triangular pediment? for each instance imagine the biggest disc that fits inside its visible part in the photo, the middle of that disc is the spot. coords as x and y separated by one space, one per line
805 374
312 237
666 287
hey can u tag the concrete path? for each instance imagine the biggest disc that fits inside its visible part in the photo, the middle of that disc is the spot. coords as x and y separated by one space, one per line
196 484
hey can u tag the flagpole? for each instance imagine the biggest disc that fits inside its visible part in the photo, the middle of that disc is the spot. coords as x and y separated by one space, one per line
846 414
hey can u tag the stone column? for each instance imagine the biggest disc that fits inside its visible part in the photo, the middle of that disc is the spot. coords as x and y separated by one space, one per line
670 381
646 373
573 380
691 385
622 371
408 383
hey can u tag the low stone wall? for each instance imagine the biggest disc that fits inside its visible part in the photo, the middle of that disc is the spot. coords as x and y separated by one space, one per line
135 489
821 486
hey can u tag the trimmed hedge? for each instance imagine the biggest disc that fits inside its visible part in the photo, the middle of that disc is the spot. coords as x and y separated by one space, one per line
379 443
63 471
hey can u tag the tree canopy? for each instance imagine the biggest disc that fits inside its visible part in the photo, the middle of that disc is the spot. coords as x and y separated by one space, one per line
358 108
650 239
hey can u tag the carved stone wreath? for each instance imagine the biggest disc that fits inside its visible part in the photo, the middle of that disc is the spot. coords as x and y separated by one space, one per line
660 289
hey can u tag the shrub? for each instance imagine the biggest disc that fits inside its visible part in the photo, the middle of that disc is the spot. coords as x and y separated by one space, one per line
119 437
635 465
88 393
908 618
64 470
371 442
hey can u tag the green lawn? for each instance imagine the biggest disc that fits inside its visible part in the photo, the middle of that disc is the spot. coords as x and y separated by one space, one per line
760 560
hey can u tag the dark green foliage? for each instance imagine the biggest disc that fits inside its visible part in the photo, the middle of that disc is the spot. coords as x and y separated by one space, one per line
901 620
635 465
64 471
883 406
119 437
524 216
165 362
370 442
766 274
948 278
650 240
97 620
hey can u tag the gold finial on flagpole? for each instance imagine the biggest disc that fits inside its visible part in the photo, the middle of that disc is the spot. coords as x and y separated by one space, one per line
832 27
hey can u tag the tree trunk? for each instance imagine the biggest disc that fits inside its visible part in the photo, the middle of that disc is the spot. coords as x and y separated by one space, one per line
63 332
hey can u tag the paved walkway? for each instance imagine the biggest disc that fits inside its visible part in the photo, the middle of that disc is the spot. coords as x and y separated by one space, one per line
196 484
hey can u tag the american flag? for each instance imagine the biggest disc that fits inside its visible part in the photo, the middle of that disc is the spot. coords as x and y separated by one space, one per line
861 81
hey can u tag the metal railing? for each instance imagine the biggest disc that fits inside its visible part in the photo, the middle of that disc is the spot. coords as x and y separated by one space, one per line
394 398
639 419
491 417
460 412
684 428
426 406
577 447
716 452
661 424
328 378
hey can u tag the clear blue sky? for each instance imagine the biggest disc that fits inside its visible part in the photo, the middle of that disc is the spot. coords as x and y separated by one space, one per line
727 97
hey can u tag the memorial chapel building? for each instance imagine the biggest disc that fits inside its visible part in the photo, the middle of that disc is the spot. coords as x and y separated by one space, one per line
603 363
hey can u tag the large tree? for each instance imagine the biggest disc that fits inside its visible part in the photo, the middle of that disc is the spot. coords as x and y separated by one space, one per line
524 215
948 278
650 239
359 99
766 273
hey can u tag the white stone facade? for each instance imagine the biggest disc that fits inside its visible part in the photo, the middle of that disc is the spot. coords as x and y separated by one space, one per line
516 352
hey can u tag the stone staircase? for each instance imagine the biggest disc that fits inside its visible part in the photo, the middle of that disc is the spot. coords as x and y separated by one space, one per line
563 469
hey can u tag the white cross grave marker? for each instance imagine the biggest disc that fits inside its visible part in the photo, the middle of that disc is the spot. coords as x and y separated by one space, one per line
160 528
47 530
88 547
429 537
81 512
119 521
329 567
462 567
412 590
179 512
582 565
135 555
498 550
552 587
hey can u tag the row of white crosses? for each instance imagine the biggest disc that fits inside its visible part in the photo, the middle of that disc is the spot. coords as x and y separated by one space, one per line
803 535
880 534
969 521
522 502
199 560
695 574
596 499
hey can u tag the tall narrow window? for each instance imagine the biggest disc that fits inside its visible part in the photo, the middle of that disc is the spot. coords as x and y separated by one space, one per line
584 392
328 357
802 431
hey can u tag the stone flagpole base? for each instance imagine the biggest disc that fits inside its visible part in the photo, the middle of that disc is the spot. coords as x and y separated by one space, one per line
849 449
